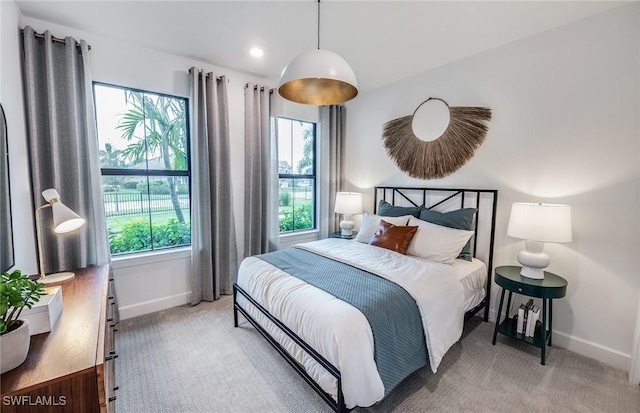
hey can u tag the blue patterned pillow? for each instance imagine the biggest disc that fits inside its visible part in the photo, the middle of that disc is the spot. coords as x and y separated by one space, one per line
385 209
458 219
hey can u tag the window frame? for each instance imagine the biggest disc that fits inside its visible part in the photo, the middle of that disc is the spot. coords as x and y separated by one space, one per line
150 172
313 177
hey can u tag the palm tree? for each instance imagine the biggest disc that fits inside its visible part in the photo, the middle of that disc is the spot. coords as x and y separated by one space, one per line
305 165
161 121
111 158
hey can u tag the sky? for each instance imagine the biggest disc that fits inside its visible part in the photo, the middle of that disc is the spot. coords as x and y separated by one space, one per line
109 102
291 150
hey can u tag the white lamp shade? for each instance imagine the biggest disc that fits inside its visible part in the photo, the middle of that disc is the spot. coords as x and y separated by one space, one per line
318 77
50 194
348 203
540 222
64 219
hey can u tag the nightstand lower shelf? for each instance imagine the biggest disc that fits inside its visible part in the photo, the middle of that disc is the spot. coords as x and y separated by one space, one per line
508 328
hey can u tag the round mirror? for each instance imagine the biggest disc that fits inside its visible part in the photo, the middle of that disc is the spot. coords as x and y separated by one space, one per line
430 120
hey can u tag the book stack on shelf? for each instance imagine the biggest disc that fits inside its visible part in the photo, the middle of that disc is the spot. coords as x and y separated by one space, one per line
527 321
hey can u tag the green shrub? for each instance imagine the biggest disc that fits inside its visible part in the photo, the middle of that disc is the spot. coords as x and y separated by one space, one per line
303 219
136 236
171 233
142 186
159 189
182 188
110 188
131 185
285 198
155 187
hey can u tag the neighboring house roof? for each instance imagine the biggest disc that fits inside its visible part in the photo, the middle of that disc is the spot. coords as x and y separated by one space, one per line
153 163
284 167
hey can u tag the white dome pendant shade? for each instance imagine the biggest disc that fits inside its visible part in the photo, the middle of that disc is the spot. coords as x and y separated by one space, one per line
318 77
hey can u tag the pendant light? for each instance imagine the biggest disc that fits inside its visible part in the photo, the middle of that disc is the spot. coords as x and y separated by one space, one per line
318 77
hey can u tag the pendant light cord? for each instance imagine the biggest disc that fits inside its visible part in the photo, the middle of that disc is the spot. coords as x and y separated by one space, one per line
318 24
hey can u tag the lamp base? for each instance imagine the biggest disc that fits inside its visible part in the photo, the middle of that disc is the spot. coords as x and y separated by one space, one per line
533 260
56 278
347 228
534 273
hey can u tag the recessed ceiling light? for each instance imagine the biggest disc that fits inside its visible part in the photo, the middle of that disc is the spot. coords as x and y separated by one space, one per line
256 52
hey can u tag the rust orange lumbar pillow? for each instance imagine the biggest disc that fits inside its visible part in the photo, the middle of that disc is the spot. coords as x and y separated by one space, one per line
393 237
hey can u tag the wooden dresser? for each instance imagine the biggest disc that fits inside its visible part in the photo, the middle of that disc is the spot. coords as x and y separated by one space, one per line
71 368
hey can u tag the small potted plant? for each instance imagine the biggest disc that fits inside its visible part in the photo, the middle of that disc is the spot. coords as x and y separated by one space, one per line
17 291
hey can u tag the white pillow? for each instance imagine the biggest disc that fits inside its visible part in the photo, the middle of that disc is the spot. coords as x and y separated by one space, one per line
435 242
371 222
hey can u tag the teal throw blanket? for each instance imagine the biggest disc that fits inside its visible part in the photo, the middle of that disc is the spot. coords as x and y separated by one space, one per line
392 313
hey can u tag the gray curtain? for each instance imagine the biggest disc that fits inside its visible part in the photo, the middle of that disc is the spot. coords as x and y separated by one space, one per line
63 147
333 126
214 259
261 199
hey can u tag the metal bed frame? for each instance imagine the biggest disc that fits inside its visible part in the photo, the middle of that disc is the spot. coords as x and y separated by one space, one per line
405 195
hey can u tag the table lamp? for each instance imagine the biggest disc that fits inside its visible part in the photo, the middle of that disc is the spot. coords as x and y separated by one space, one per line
348 203
536 224
64 220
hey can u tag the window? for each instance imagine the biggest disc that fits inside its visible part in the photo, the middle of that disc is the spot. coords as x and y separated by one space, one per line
297 173
144 158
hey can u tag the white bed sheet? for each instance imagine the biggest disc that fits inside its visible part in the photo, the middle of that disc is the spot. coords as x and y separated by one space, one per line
473 277
348 345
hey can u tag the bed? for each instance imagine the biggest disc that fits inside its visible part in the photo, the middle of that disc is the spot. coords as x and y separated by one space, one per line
336 344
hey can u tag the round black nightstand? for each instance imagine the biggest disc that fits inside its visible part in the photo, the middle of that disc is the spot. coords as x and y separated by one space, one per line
339 235
550 287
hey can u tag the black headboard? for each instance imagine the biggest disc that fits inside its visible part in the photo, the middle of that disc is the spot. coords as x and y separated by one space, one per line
447 199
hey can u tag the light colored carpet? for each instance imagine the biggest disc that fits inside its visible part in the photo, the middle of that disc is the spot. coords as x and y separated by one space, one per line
191 359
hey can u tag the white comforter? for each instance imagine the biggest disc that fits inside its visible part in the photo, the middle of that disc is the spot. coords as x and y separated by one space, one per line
339 331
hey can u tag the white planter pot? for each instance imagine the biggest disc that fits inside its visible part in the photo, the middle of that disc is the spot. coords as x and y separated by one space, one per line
14 347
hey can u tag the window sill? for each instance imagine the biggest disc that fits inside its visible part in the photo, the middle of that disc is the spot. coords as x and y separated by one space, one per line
301 234
287 240
150 257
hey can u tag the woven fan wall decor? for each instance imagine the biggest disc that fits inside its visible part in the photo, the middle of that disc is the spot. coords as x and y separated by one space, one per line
444 155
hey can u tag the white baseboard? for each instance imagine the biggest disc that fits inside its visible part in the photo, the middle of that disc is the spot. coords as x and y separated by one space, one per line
596 351
152 306
634 369
586 348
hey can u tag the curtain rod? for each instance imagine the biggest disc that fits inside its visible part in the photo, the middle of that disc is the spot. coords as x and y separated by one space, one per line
54 39
255 87
218 78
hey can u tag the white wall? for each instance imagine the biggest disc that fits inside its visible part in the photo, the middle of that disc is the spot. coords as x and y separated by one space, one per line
11 96
565 129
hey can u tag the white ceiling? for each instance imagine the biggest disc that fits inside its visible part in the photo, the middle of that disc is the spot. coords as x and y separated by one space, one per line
384 41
